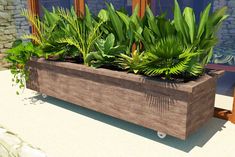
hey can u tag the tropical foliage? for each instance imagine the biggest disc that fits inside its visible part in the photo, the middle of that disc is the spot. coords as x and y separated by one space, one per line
18 56
152 45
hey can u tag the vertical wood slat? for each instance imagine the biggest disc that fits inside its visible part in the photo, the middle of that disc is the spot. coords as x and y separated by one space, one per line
232 118
142 6
33 6
79 7
134 4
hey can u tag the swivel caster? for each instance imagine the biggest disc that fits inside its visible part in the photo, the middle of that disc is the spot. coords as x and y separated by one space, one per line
44 96
161 135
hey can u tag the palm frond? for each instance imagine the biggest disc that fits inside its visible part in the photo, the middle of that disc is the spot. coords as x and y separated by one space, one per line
35 38
35 21
71 41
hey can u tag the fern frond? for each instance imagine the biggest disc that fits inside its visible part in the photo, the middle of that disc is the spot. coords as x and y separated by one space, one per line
71 41
180 67
35 38
33 20
93 35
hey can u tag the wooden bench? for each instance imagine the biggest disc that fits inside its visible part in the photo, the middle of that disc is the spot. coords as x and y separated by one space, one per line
220 112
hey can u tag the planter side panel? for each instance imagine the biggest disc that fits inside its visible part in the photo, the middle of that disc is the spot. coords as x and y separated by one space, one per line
201 108
151 108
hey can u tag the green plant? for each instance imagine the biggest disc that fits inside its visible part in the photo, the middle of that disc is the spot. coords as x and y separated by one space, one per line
106 53
152 45
155 28
131 62
80 32
201 35
122 26
18 57
48 31
180 47
171 58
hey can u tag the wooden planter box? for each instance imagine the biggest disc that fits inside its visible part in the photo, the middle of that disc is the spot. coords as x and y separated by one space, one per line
177 109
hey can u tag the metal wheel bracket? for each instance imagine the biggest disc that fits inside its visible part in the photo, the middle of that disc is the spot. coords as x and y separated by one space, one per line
161 135
44 95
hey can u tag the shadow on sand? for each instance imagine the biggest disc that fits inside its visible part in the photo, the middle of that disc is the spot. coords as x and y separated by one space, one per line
198 139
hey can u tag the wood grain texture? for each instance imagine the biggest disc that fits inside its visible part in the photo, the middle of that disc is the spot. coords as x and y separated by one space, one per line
232 118
177 109
142 4
79 6
33 7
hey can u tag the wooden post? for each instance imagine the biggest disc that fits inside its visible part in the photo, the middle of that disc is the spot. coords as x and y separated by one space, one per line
134 4
142 6
33 6
226 114
79 7
232 116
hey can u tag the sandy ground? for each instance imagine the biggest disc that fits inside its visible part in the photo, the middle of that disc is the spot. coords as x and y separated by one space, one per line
62 129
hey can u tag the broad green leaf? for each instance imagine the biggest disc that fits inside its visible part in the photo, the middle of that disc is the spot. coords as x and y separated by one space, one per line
149 13
109 42
217 15
124 18
179 22
153 25
215 21
189 17
203 21
103 15
116 22
88 18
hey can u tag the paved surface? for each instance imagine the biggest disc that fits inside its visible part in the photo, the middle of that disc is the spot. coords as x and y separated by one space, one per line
11 143
64 130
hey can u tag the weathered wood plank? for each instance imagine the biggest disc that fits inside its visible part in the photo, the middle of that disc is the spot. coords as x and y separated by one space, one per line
176 109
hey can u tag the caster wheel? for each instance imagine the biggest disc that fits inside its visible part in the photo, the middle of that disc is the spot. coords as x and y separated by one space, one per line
161 135
44 96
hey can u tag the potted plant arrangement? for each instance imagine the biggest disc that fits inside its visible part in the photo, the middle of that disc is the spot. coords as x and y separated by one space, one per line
149 71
